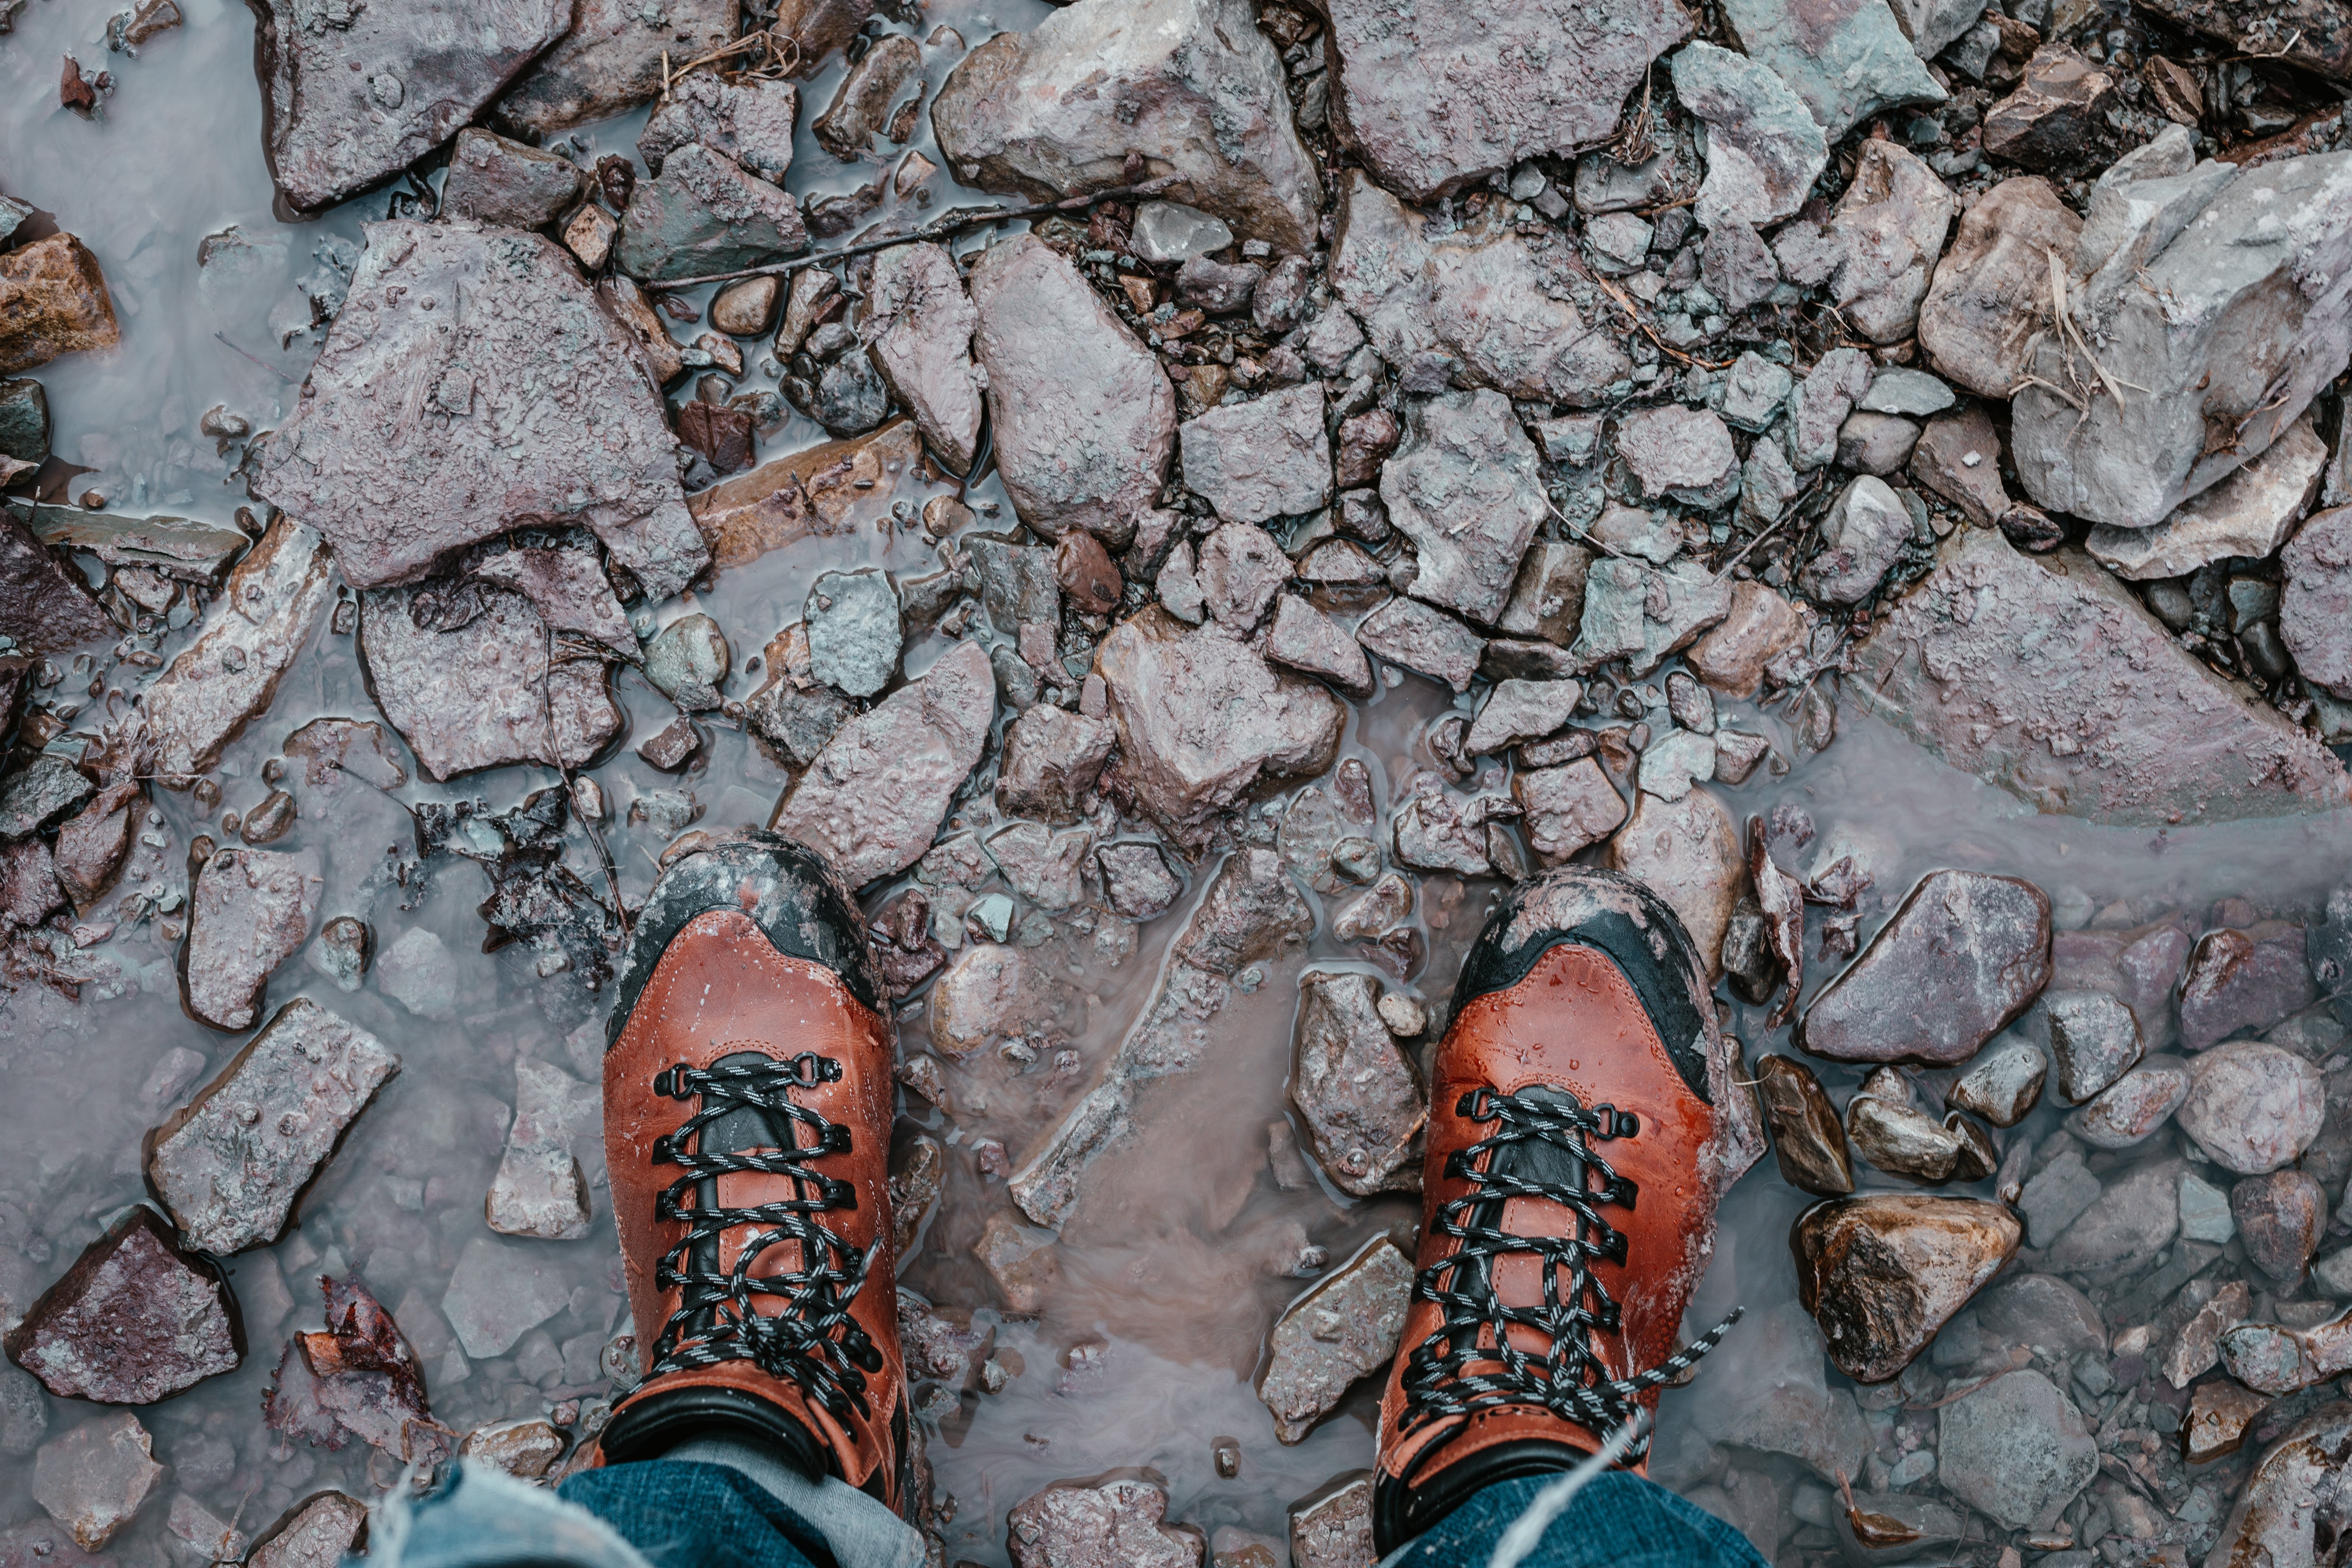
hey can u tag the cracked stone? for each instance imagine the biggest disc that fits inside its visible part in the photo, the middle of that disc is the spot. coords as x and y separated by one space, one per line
1466 490
918 326
1960 959
1116 1519
495 181
1306 639
133 1322
2130 1109
1344 1329
2252 512
705 213
1052 758
1847 64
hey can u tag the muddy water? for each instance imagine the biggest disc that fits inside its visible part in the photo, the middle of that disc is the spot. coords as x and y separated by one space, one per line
1176 1262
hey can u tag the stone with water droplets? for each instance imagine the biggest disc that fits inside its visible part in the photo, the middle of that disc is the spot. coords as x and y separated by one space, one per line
1344 1329
134 1321
250 910
1358 1094
1881 1274
2290 1512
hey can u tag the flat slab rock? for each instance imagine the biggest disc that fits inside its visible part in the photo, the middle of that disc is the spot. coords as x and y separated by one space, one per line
1358 1093
2044 674
231 1164
1435 98
134 1321
45 606
1113 1519
314 1533
352 93
95 1479
1961 958
610 61
879 791
1345 1328
249 912
472 383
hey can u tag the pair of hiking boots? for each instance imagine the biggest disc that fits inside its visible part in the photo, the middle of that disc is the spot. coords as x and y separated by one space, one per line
1575 1153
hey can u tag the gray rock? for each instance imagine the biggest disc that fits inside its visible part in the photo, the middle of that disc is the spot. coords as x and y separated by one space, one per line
1775 1397
2093 1039
2133 1217
1306 639
41 795
1861 540
2030 649
1961 958
231 1164
1518 711
1876 443
748 122
1429 642
1043 867
1083 416
1437 831
1846 65
1764 148
1547 600
134 1321
2130 1109
24 420
1265 458
2016 1450
540 1191
1567 809
1219 287
1895 390
689 660
1688 851
853 630
859 116
1360 1102
418 972
1345 1328
1466 490
314 1533
1680 454
2056 1197
1824 399
1501 305
1118 1518
500 1291
2243 982
993 994
612 60
1051 759
1754 391
2205 1213
1203 719
1191 85
705 213
95 1479
918 328
2315 601
530 348
249 912
1137 881
1168 234
1889 230
1435 100
353 95
2252 1108
1900 1138
2251 514
2040 1310
2243 270
495 181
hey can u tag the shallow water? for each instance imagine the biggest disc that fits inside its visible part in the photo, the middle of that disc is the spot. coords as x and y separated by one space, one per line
1169 1272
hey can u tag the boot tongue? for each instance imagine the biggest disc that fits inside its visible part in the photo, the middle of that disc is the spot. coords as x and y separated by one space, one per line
1544 1162
746 1127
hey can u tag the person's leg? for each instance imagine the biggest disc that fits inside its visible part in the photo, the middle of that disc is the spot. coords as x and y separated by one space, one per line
1578 1133
1618 1520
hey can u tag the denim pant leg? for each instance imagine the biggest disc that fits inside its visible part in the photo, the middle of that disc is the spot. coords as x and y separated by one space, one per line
1619 1520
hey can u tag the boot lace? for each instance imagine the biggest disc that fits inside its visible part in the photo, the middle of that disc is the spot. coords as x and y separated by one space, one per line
812 1340
1541 1148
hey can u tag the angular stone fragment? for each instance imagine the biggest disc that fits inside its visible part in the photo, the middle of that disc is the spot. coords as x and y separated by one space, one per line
918 326
96 1478
230 1165
1345 1328
2040 1310
90 847
1051 759
994 992
2056 120
1137 881
1991 295
1889 230
748 122
2255 315
1900 1138
2219 1411
1258 461
1518 711
1764 150
1429 642
2002 1084
133 1322
2243 982
610 62
1498 303
2287 1512
2048 676
2282 1217
1192 87
46 607
1465 489
2130 1109
1757 624
178 548
408 443
499 1292
2016 1450
2252 1108
705 213
1115 1518
1331 1526
1360 1101
1807 1139
1083 416
873 798
249 912
495 181
1306 639
540 1190
2127 1222
1201 719
1680 454
2251 514
2316 603
314 1533
2093 1038
1688 852
854 631
1434 99
53 300
1962 957
1847 62
1882 1274
1861 540
1774 1397
39 795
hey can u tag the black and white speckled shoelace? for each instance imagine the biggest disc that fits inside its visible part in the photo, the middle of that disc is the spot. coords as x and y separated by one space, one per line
812 1341
1541 1148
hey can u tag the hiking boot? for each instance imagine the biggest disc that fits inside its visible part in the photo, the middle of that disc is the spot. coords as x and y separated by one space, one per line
1577 1146
748 1101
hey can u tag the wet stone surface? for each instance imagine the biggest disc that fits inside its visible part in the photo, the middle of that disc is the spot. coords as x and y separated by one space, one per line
1345 1328
133 1322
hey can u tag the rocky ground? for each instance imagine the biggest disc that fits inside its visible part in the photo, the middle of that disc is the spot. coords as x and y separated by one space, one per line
1181 501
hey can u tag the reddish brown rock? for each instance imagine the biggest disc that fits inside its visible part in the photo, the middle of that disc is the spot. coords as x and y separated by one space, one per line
1688 852
53 302
1883 1274
134 1321
91 845
495 181
610 61
2281 1217
1051 759
358 1378
2057 117
46 608
1990 295
1962 956
2219 1411
1807 1138
2242 982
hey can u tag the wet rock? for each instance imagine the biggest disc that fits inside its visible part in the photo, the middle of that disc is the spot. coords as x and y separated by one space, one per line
249 912
2227 280
1861 540
1688 852
1758 625
2016 1450
2219 1413
1258 461
748 309
1680 454
2252 1107
205 1533
2282 1217
203 699
2250 513
1876 443
1775 1398
1888 229
1429 642
1345 1328
176 548
1990 295
41 795
2316 598
358 1378
1306 639
1500 304
91 847
1137 881
2093 1039
1437 831
1084 417
1240 569
1807 1139
748 122
2040 1310
2060 686
1962 957
24 420
1360 1102
1201 719
2204 1209
1465 489
53 300
2241 981
418 972
1331 1526
341 953
874 795
96 1478
1518 711
495 181
994 992
517 341
2132 1218
1168 234
2002 1084
527 1448
1899 1137
540 1190
1044 867
859 115
689 659
1672 762
1051 759
1882 1274
2130 1109
1435 100
1764 150
1191 85
1958 457
2057 117
705 213
499 1292
133 1322
1019 1260
1078 1525
47 607
1822 402
1847 64
918 328
854 632
230 1165
1547 600
610 62
2056 1197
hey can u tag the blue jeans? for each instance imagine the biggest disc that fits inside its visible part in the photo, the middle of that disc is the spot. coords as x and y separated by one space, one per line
719 1511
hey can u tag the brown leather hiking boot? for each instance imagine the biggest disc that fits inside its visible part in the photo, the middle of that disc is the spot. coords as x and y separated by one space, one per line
746 1126
1575 1156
